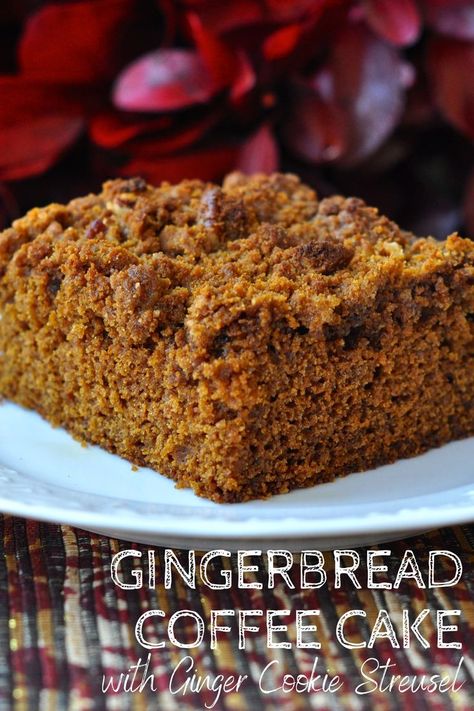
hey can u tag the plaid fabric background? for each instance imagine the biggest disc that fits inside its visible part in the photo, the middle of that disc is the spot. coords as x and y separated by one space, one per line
63 624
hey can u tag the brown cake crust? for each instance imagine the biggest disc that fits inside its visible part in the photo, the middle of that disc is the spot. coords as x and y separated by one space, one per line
243 339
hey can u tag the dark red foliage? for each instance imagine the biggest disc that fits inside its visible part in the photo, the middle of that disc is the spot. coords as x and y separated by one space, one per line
111 129
377 92
369 89
451 68
75 43
315 128
210 163
259 153
281 42
220 60
165 80
454 18
397 21
34 131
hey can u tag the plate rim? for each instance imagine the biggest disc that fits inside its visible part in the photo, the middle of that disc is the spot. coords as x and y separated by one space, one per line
268 528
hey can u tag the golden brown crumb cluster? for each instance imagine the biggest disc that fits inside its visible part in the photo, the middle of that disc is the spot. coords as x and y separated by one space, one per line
243 339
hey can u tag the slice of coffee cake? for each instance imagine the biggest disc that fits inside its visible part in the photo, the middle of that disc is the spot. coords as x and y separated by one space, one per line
244 340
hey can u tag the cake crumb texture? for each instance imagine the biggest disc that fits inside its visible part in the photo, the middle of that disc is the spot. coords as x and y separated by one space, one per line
244 339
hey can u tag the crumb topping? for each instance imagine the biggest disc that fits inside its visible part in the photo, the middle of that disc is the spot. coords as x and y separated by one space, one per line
160 258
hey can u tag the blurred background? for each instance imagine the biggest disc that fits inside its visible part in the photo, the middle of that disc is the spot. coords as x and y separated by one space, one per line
366 97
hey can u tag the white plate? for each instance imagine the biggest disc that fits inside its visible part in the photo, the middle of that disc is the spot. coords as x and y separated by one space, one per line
46 475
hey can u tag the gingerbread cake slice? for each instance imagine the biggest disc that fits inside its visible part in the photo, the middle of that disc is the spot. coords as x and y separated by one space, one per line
244 339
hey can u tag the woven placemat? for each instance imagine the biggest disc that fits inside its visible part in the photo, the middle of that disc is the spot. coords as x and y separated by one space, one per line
65 627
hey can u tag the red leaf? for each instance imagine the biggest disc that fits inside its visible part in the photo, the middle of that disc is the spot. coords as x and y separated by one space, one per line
19 96
314 130
166 134
220 61
451 69
245 79
183 135
451 17
368 81
207 164
224 16
397 21
110 130
281 42
165 80
31 147
74 42
259 153
36 126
